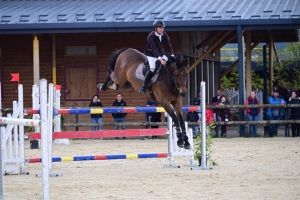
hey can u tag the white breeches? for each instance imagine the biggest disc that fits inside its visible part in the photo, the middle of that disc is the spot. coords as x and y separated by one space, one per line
152 61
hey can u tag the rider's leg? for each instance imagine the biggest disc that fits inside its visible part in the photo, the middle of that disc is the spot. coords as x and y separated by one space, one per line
149 74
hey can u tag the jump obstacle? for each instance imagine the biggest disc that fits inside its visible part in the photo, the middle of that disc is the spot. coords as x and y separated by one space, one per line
47 124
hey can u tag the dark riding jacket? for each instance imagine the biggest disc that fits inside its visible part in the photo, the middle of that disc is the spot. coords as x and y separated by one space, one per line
154 46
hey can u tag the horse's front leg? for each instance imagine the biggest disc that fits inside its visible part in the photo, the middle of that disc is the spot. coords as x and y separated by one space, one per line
185 138
182 136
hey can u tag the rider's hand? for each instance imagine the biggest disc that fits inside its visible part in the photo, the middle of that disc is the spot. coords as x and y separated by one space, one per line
162 61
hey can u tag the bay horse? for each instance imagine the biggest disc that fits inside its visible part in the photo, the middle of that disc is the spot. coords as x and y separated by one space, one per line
167 91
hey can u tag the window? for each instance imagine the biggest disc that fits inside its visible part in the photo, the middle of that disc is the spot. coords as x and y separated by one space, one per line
81 50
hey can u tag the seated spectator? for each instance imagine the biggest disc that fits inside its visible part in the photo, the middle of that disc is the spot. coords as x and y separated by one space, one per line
252 113
295 114
275 113
222 114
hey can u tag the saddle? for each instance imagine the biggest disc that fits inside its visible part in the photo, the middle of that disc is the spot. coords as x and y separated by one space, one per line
142 70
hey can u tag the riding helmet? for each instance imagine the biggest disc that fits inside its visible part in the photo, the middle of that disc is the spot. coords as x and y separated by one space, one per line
159 24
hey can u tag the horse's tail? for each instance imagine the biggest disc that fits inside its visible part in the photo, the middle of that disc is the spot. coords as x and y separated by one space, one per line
114 57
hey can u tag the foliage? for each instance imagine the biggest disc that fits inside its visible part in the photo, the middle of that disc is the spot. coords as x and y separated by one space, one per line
31 128
287 69
232 80
62 122
209 142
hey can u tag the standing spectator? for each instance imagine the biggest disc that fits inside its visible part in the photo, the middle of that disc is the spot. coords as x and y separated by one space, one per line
197 102
96 118
223 114
275 113
153 117
119 117
252 113
214 100
193 117
295 113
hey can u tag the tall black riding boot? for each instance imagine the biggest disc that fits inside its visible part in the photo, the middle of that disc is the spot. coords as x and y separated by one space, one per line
148 77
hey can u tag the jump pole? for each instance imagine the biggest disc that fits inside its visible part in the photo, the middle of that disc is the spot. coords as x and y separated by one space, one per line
203 131
101 157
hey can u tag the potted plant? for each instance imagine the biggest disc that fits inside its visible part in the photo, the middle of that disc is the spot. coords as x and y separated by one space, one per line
198 145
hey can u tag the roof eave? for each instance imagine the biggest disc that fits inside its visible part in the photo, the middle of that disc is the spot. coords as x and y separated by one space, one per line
143 26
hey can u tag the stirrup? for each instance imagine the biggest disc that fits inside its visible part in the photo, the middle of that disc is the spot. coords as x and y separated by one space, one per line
142 90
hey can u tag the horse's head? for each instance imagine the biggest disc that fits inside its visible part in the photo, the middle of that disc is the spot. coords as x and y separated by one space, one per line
180 73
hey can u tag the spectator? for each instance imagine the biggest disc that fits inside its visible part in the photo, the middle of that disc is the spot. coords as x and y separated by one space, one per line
96 118
153 117
214 100
193 117
119 117
223 114
252 113
275 113
295 114
197 102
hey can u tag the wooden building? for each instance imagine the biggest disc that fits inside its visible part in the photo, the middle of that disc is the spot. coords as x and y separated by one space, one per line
69 42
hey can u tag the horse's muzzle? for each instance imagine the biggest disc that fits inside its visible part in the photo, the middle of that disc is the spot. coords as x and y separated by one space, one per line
182 94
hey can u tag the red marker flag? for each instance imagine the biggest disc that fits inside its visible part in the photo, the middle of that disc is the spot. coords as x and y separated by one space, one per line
57 87
15 77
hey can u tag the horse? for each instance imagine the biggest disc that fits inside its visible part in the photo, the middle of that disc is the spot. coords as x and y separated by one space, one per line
168 90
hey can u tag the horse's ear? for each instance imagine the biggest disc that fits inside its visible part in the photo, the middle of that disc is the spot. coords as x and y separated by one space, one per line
185 62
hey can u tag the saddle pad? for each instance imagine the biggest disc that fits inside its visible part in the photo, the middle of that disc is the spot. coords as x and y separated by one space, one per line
139 74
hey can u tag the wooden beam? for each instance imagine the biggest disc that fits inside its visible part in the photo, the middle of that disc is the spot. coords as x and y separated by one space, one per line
223 43
208 40
233 65
211 48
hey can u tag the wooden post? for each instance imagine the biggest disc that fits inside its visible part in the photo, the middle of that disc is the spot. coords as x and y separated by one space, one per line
54 59
248 63
36 61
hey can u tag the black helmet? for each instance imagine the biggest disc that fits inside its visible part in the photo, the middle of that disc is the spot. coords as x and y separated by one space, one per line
159 24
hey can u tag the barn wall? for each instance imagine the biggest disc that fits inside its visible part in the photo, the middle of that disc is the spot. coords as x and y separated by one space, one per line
17 57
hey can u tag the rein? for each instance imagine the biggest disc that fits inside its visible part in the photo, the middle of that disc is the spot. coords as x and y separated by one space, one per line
173 78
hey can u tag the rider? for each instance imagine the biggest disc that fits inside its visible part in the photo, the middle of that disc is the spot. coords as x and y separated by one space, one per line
155 51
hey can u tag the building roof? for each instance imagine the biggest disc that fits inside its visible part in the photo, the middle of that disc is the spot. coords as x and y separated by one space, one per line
62 16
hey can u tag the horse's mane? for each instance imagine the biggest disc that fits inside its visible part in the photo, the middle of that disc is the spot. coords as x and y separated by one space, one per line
113 58
172 59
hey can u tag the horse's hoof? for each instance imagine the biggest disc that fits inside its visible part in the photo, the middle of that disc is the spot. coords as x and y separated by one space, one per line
101 87
180 142
187 145
113 86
